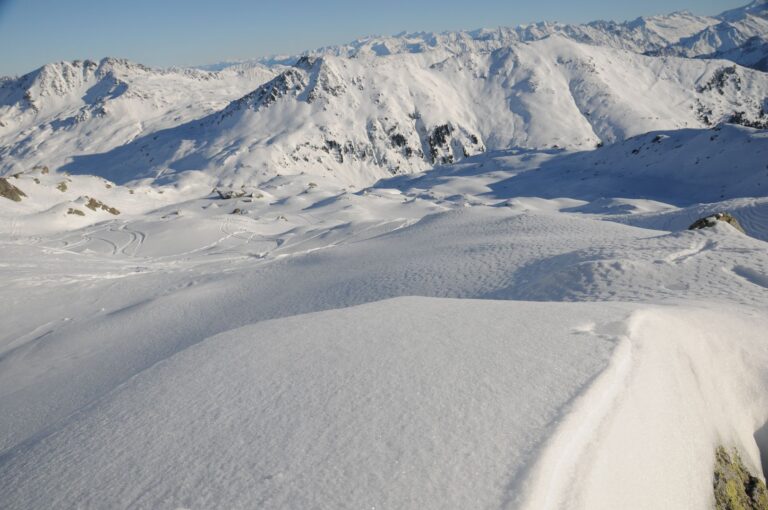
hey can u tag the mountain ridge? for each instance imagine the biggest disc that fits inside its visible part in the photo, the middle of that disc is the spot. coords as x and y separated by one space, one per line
643 34
385 106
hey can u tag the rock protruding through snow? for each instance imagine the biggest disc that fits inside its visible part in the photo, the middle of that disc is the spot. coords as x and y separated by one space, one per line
711 221
9 191
735 487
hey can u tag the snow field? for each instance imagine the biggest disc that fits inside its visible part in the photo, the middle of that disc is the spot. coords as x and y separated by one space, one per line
429 288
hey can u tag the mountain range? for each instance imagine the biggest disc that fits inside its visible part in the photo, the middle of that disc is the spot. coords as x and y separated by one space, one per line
384 106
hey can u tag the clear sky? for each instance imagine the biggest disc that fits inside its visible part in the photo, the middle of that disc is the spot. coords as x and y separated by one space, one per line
193 32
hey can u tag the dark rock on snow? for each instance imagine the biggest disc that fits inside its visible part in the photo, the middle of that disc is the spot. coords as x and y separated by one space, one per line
9 191
711 221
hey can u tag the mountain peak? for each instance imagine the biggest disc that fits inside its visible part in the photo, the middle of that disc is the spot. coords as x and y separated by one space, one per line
757 8
292 80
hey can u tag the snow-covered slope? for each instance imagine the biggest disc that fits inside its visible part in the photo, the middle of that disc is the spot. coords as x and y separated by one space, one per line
443 402
299 412
324 384
356 121
499 225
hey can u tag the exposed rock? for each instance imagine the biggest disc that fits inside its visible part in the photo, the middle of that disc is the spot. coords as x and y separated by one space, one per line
10 191
230 194
62 186
398 140
721 79
76 212
735 487
95 205
711 221
742 119
439 139
333 147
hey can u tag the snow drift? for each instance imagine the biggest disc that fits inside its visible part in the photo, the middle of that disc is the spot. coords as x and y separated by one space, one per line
422 402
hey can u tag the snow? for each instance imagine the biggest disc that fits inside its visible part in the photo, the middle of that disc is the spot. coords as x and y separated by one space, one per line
131 334
631 420
445 406
494 323
67 109
345 408
356 120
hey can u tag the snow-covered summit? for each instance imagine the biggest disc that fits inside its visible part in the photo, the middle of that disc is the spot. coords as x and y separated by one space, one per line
659 34
70 108
40 88
740 35
756 8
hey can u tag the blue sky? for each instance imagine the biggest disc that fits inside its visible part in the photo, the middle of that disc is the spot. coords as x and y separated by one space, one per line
192 32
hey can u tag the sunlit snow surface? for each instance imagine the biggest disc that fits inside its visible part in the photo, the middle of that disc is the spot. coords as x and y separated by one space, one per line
456 274
179 355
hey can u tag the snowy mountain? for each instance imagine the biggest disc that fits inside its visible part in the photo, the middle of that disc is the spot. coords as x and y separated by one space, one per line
679 33
640 35
70 108
741 35
357 120
383 106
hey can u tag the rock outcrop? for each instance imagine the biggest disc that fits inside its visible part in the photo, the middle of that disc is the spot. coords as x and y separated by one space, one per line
229 194
95 205
711 221
735 487
9 191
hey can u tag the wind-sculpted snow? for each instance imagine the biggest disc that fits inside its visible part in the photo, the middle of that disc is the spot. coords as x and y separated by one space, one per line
368 386
298 412
716 358
171 290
